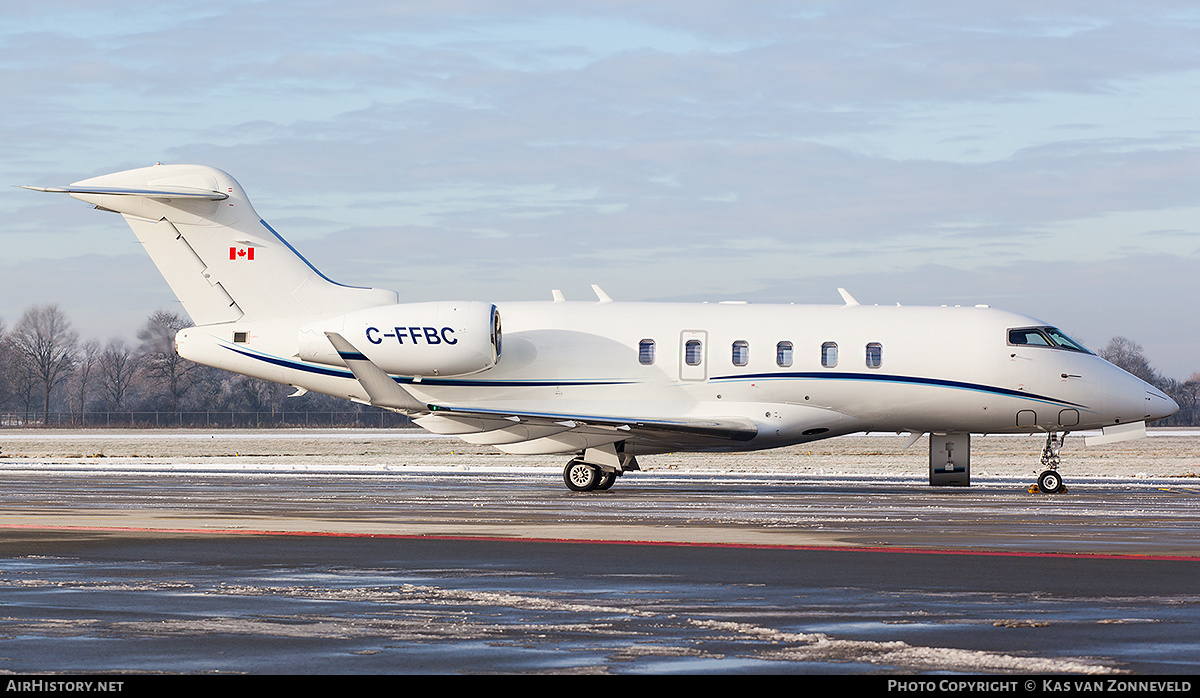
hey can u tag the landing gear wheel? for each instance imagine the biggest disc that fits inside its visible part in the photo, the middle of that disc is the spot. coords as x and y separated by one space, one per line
606 481
581 477
1049 482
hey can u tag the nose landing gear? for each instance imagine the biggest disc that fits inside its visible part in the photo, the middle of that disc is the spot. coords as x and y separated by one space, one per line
1050 482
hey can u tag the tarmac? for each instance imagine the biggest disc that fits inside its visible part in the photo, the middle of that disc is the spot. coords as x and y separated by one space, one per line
359 552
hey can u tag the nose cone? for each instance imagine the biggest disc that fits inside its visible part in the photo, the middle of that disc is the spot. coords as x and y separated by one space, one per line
1158 404
1131 399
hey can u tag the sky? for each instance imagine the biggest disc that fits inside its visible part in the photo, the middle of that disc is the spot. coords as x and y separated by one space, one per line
1038 157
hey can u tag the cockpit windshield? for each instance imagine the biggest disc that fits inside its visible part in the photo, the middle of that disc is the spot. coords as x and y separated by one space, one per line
1050 337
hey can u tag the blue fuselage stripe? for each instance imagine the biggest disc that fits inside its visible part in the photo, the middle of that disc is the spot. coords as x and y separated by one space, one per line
792 376
891 378
342 373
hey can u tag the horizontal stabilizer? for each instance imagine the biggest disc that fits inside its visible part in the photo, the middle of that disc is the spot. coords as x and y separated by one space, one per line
175 192
222 260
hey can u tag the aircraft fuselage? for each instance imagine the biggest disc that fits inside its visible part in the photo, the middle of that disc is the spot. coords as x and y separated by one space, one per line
799 372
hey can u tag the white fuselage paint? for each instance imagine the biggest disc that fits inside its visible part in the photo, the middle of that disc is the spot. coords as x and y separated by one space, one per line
941 370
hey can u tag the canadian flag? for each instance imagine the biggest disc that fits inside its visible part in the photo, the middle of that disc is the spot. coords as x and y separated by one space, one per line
236 253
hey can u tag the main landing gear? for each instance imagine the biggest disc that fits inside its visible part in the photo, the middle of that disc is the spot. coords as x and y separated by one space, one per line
585 477
1050 482
598 468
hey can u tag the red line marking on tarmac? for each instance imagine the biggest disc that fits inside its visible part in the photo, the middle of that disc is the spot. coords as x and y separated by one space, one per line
600 541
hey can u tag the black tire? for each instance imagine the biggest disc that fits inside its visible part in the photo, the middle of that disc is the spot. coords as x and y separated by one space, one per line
580 476
606 481
1049 482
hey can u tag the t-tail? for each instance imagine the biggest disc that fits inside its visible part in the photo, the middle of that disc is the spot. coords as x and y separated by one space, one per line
221 259
262 310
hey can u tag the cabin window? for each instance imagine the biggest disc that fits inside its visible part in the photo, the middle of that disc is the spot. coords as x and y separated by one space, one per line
741 352
241 337
783 354
829 354
692 352
646 352
874 355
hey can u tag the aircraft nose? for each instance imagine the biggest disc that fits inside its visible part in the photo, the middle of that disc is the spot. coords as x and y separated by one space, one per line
1131 399
1158 404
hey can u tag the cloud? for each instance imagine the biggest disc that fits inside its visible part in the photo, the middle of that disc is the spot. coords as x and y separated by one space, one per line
666 149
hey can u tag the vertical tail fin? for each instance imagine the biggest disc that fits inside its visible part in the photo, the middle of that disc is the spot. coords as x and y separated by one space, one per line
223 261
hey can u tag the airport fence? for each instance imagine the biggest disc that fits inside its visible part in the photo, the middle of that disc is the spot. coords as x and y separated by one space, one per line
210 419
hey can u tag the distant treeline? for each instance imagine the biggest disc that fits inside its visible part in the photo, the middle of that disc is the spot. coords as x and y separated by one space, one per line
48 376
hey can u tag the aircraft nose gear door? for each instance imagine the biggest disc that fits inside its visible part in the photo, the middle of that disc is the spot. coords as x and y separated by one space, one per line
950 460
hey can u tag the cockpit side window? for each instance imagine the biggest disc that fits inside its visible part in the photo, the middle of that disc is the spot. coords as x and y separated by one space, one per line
1062 341
1050 337
1030 336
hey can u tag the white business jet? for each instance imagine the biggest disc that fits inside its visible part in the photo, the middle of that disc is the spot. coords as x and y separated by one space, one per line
607 381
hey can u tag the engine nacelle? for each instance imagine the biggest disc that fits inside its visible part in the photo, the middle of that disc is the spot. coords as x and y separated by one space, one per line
447 338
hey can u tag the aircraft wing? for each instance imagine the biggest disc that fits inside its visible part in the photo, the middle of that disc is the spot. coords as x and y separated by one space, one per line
515 429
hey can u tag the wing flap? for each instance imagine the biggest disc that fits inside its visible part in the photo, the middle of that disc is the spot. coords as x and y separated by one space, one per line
569 442
728 428
514 434
544 433
459 426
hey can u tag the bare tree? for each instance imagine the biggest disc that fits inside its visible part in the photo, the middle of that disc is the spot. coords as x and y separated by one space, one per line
160 361
46 342
88 358
5 367
1127 354
23 381
118 365
1189 399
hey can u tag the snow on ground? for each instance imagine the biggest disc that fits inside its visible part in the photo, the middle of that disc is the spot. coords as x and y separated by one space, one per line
1166 453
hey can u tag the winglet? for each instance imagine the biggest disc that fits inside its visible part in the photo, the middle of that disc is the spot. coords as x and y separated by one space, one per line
383 391
847 297
604 297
